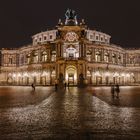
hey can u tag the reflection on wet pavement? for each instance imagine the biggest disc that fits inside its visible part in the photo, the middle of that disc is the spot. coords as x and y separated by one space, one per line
71 114
22 96
129 96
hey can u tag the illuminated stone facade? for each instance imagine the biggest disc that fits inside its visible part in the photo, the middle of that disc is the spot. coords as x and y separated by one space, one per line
70 53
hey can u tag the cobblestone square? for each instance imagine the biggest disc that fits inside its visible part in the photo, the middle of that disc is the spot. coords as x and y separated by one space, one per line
71 114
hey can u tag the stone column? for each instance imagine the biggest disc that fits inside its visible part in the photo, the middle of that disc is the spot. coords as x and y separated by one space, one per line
110 56
58 49
39 56
81 50
84 50
125 59
57 71
93 54
49 52
102 55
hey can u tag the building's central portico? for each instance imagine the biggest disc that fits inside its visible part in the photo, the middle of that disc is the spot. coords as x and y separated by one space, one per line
72 49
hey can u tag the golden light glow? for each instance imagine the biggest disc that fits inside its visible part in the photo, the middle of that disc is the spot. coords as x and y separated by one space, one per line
97 73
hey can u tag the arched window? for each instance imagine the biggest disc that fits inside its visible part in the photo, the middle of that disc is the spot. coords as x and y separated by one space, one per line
113 58
28 58
98 56
119 59
131 60
89 55
44 56
53 55
106 57
35 57
72 52
88 73
10 60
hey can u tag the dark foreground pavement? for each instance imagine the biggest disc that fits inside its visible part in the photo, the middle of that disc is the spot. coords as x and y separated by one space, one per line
74 114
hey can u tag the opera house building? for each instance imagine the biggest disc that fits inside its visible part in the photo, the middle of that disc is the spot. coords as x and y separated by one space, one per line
70 53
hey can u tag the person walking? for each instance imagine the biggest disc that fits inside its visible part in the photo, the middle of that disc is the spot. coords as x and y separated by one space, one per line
112 90
55 86
65 85
117 90
33 86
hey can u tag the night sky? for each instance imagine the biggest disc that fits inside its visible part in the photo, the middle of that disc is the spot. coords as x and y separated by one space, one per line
20 19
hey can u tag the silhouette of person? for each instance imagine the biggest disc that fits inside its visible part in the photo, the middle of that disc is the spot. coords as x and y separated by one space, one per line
33 86
112 90
117 90
55 86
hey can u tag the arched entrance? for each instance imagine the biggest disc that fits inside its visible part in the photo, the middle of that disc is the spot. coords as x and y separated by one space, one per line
71 75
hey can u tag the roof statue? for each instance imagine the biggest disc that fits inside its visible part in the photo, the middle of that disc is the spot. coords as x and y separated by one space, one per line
70 14
71 17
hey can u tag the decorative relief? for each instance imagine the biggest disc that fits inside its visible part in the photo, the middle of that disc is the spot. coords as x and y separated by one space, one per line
71 37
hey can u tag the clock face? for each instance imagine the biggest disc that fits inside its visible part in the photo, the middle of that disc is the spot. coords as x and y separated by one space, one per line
71 36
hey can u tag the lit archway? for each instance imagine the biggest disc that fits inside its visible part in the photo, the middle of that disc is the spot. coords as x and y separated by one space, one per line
71 75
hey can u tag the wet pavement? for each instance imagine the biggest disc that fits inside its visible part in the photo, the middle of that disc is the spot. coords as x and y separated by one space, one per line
129 96
74 114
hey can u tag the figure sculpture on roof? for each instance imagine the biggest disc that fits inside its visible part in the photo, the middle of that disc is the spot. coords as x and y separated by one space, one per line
70 14
71 17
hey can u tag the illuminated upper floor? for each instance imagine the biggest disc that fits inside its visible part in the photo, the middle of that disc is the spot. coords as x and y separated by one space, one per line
70 40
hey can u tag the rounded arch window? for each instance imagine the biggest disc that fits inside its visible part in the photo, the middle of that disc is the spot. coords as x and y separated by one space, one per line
53 55
35 56
119 57
106 57
98 56
28 58
114 58
131 60
113 55
44 56
89 52
89 55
